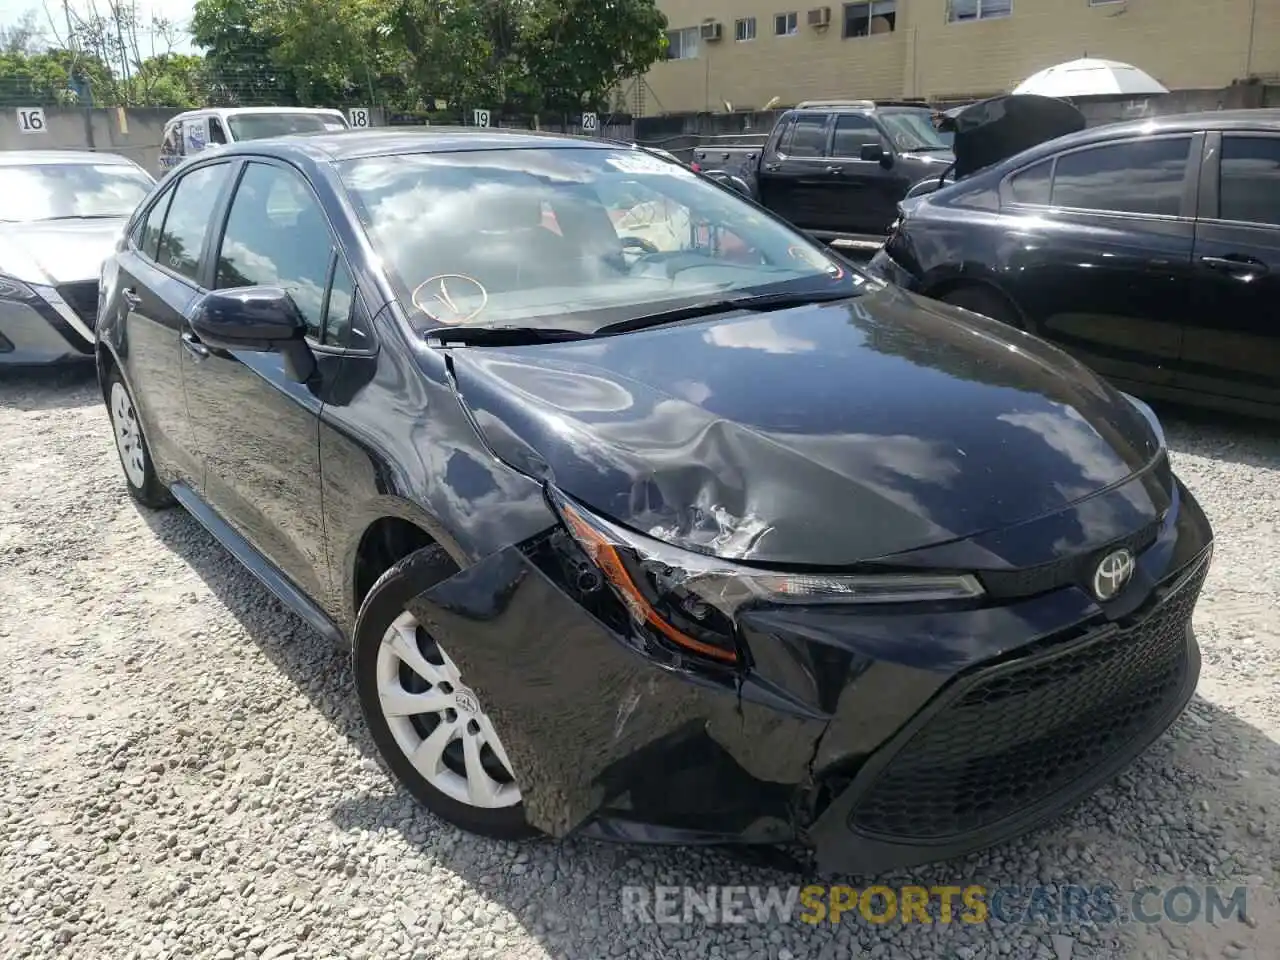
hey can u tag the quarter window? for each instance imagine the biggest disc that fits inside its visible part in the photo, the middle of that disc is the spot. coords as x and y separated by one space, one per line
853 132
216 133
808 137
1033 184
190 211
866 19
1141 176
1249 181
959 11
786 24
338 308
276 235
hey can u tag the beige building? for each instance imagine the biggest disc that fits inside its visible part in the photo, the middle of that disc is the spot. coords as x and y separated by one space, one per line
747 52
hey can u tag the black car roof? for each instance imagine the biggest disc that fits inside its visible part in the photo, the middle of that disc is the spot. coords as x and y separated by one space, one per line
388 141
1261 119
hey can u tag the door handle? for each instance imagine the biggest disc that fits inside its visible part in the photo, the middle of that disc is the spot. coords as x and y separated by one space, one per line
773 167
131 298
835 170
194 346
1236 265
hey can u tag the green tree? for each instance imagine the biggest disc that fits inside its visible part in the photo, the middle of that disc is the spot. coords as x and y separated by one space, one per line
577 51
50 77
171 80
239 66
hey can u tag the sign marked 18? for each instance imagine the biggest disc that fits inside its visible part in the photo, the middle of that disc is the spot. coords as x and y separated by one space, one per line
31 120
359 117
481 118
590 122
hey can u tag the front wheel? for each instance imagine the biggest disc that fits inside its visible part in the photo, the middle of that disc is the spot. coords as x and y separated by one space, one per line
135 456
429 726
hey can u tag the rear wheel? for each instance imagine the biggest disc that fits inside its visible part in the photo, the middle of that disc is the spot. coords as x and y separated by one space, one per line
135 456
985 301
429 726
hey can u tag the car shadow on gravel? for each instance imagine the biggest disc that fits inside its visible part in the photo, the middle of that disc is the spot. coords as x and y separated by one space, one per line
1196 808
60 388
1248 441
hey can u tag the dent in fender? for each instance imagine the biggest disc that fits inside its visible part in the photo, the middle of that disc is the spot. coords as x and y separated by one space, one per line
577 707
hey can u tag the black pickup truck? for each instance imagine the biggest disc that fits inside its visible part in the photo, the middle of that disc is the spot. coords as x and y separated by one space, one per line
837 169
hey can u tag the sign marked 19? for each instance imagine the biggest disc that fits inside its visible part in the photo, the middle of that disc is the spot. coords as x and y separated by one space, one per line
31 120
481 118
359 117
590 122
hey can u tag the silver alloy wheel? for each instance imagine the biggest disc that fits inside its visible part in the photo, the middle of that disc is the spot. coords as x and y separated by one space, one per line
128 435
459 773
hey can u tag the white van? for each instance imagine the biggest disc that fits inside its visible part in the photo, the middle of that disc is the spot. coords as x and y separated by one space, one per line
189 133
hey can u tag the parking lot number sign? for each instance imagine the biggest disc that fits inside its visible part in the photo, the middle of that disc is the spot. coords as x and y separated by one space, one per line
590 123
359 117
482 118
31 120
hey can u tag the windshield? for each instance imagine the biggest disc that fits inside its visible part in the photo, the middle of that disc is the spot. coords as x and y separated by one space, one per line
257 126
571 237
45 191
912 129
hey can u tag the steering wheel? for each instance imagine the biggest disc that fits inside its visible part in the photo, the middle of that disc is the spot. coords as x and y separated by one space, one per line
639 244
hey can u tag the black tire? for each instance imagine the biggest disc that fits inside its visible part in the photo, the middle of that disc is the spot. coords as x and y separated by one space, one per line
985 301
385 602
147 489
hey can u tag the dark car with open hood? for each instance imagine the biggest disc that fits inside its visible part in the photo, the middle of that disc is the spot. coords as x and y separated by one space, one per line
60 214
644 516
1148 249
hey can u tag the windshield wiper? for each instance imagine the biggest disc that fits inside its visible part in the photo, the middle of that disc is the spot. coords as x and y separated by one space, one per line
758 303
480 336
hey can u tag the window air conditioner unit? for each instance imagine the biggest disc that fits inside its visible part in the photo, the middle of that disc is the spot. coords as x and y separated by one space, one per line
820 17
712 30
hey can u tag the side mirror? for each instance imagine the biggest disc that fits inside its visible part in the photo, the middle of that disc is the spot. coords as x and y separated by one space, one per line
258 319
875 153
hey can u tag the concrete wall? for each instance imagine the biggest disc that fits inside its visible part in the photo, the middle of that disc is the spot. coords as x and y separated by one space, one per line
133 133
1186 44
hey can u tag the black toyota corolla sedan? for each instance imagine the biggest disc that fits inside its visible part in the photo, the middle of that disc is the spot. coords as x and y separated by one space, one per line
644 516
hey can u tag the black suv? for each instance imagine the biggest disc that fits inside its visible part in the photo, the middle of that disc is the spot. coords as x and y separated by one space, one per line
838 168
1150 249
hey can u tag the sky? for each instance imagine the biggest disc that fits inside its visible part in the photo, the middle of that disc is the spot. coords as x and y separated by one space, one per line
178 11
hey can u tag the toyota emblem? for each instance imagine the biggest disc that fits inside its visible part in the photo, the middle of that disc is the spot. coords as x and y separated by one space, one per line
1112 574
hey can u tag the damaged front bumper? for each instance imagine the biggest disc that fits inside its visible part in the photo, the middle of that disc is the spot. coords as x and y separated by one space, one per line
879 740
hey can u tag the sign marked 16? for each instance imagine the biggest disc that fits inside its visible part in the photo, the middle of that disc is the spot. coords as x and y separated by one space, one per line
31 120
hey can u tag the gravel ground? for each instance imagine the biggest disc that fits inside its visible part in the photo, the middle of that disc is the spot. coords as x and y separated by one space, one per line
185 774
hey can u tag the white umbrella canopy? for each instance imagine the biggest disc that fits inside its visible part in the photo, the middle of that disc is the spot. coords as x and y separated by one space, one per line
1091 78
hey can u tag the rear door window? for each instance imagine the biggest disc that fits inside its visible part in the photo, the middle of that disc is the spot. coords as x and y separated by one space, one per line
1136 176
1249 180
808 138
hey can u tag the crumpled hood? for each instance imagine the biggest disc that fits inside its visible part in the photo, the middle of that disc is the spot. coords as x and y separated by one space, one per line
822 435
57 251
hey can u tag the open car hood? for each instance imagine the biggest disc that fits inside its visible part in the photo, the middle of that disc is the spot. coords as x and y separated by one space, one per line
993 130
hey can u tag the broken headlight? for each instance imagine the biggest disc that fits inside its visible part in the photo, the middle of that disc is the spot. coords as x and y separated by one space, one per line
691 599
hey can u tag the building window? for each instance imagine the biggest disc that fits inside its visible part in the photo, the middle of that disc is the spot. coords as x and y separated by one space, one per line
866 19
744 29
959 11
682 44
786 24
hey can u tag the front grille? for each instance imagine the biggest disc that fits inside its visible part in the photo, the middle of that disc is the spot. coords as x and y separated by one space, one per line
1075 570
1022 731
82 298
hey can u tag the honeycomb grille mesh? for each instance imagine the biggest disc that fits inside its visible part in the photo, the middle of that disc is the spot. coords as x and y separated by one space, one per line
1030 728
